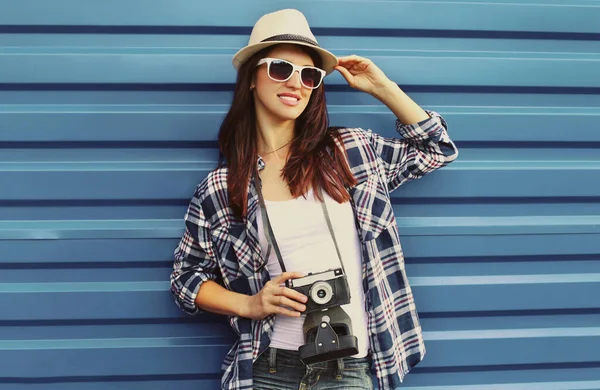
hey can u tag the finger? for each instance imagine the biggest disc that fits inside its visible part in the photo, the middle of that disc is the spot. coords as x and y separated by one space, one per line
288 303
286 276
293 294
351 58
346 74
356 64
286 312
348 64
289 293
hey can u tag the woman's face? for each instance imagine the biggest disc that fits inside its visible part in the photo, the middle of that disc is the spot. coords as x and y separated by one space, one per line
282 101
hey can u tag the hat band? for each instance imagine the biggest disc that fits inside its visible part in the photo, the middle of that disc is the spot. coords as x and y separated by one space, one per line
291 37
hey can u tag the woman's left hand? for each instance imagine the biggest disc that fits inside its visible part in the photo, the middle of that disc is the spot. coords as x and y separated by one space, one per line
362 74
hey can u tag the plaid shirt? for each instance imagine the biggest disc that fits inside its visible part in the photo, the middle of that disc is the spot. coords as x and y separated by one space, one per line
215 246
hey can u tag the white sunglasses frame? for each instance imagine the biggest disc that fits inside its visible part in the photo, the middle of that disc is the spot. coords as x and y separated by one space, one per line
269 60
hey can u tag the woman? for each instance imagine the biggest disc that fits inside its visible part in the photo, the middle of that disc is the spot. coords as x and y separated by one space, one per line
279 152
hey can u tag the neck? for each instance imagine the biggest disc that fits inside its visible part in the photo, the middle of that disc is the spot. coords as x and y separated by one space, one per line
274 137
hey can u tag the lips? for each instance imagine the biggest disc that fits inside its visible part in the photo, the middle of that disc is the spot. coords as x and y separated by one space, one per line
289 99
290 95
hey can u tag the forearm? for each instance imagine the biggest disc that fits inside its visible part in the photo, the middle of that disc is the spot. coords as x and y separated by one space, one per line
405 109
217 299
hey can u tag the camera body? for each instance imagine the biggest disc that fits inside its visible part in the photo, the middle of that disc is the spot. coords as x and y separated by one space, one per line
324 289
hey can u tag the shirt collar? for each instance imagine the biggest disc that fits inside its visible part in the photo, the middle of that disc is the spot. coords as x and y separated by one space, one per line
260 163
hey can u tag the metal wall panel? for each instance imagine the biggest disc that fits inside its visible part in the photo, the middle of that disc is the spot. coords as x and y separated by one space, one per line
108 118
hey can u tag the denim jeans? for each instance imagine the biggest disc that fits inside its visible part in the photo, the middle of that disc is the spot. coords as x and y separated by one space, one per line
282 370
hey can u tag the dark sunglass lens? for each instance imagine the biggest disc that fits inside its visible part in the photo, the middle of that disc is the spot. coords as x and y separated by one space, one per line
280 70
311 77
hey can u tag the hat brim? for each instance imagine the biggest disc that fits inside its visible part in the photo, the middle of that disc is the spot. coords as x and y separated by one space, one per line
328 58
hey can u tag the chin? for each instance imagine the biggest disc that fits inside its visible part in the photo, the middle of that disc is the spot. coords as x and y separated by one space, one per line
289 114
290 117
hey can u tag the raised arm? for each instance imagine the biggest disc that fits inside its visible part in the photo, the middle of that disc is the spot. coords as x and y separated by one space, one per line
423 144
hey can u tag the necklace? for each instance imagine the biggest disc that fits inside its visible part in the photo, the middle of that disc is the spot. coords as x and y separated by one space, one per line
279 148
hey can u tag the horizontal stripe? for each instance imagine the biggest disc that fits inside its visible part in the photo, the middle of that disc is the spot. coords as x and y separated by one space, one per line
107 322
319 31
87 351
130 180
60 86
201 66
177 125
579 385
547 15
397 199
72 287
423 281
408 227
55 345
511 333
146 379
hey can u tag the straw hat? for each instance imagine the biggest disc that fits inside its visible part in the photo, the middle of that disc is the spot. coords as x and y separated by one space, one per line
284 26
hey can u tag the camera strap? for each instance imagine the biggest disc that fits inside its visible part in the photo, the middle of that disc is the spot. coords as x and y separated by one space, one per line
271 235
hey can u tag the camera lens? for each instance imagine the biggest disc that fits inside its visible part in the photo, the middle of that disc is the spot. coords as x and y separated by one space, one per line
321 293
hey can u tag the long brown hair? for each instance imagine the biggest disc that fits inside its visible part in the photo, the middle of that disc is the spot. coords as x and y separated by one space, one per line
314 160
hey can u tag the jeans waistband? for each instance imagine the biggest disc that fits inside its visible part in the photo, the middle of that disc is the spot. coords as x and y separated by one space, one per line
290 358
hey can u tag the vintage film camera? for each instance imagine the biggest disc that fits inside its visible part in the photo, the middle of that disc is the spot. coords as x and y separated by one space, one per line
327 328
324 289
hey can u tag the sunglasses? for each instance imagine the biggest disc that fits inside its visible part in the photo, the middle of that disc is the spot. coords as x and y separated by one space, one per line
282 70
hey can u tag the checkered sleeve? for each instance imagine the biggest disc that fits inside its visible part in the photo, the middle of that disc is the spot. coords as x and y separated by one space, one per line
195 261
421 148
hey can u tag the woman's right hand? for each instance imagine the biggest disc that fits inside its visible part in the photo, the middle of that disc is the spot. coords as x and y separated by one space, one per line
274 298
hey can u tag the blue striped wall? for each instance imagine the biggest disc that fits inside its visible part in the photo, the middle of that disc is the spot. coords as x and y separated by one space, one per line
109 112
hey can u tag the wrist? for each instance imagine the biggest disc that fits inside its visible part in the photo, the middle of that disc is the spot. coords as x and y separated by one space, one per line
243 305
387 91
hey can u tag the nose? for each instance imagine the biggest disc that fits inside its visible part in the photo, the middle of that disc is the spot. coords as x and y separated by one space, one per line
294 81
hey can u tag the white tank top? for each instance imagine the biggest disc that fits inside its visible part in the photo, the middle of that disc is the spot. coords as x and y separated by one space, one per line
306 246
